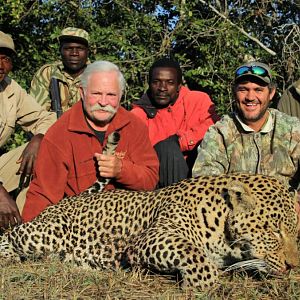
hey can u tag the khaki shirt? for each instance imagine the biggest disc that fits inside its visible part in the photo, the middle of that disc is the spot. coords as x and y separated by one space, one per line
18 107
68 86
289 103
230 146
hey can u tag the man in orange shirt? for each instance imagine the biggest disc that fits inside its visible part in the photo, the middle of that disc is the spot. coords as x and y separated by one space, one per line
177 119
70 157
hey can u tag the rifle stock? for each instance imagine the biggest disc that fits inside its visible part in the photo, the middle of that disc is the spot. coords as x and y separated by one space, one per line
55 97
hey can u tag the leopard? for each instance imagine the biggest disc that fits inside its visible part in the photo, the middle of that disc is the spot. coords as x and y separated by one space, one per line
196 228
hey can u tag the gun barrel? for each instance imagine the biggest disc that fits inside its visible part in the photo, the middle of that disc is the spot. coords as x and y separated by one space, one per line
55 97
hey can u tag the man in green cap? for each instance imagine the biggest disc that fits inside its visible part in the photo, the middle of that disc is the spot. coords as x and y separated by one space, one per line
17 107
254 138
56 86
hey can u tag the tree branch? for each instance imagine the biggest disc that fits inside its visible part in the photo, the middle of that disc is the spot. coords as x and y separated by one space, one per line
240 29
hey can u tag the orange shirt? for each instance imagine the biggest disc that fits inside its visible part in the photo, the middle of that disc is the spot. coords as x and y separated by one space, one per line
65 165
189 118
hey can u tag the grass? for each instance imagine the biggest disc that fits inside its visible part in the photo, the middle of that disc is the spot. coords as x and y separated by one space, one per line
51 279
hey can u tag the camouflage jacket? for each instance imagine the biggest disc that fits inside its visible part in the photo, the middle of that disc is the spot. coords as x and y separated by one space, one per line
230 146
68 86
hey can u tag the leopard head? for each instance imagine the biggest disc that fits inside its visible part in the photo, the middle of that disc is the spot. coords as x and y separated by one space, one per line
263 225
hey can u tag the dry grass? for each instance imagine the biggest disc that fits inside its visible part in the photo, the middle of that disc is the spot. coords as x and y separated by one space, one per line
51 279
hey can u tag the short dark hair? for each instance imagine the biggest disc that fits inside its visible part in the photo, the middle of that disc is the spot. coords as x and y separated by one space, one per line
166 62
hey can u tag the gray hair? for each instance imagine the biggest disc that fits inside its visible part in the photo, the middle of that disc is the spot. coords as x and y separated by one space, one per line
102 66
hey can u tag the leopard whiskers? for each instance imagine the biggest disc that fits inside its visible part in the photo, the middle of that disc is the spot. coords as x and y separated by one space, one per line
252 264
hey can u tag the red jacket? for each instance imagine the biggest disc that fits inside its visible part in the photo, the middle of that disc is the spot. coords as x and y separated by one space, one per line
189 118
65 165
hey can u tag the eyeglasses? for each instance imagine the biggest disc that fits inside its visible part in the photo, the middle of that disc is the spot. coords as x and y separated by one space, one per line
255 70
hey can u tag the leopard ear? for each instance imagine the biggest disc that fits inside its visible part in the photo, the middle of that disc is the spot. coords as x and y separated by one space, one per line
238 197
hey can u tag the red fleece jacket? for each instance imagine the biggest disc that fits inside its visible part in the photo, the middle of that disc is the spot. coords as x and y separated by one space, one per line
189 118
66 166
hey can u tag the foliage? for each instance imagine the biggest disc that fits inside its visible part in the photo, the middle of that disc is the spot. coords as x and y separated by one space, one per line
52 279
209 38
16 140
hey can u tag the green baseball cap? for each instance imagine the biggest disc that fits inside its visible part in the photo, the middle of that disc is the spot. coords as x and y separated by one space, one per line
254 69
7 42
74 34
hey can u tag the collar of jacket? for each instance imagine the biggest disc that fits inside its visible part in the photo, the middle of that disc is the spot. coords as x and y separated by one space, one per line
145 103
267 126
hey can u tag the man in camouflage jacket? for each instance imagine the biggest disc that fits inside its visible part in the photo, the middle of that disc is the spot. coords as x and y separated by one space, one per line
74 53
254 138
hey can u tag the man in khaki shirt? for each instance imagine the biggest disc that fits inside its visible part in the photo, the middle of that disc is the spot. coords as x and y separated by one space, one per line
289 102
16 107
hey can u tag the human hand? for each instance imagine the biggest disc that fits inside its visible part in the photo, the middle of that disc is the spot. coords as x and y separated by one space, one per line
9 213
109 166
28 157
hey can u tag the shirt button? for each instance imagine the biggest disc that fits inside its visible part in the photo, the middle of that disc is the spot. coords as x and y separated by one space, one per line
191 142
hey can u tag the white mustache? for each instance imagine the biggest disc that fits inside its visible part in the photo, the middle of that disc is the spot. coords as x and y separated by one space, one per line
107 108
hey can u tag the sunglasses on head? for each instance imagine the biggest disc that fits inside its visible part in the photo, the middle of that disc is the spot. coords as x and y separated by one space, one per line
255 70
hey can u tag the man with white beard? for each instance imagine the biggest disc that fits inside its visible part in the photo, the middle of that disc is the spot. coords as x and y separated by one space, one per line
70 158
